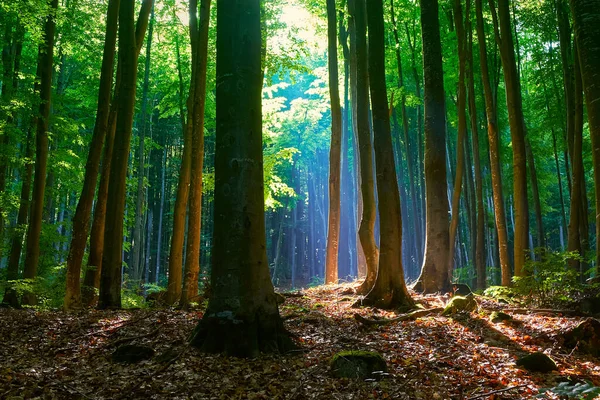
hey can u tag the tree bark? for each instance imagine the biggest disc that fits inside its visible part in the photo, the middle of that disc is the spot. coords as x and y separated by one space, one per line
389 290
110 281
514 104
586 21
45 58
192 258
366 231
333 228
242 318
494 149
434 273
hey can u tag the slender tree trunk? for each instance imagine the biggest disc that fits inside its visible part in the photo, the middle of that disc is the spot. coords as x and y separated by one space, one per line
333 228
494 149
110 282
389 290
462 130
586 21
45 58
434 274
138 229
514 104
192 258
541 242
242 318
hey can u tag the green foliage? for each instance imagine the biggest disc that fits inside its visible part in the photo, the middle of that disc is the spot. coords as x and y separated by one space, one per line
131 298
566 390
549 280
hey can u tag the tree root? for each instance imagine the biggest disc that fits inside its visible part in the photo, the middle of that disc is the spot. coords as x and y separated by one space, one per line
405 317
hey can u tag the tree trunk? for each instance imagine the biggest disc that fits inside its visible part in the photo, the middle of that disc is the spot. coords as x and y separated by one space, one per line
389 290
541 242
586 21
514 104
462 130
366 231
110 282
494 149
242 318
137 265
434 274
45 58
333 228
197 104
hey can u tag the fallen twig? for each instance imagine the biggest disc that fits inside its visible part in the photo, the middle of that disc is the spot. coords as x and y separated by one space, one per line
405 317
479 396
131 338
541 311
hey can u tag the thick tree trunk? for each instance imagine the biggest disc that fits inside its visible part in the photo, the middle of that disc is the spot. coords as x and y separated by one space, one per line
366 231
434 274
333 228
586 21
514 104
494 149
389 290
112 260
45 58
242 318
192 258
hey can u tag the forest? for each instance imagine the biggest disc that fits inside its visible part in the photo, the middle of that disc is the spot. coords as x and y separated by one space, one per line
297 199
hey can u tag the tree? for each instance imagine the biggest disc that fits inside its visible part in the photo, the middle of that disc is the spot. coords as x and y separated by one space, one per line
586 22
514 104
242 318
389 289
81 219
110 281
366 230
46 62
192 260
434 274
494 150
333 229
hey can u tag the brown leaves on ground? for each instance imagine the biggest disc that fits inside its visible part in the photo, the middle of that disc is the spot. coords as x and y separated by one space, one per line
54 355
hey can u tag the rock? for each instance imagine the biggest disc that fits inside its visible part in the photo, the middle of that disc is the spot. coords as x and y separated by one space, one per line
461 289
585 336
537 362
461 304
132 353
589 305
358 365
499 316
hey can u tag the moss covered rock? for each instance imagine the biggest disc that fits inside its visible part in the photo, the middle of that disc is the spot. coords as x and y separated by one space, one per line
499 316
460 304
358 365
537 362
132 353
585 336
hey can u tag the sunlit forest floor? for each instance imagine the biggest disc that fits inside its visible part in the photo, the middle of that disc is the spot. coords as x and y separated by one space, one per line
50 355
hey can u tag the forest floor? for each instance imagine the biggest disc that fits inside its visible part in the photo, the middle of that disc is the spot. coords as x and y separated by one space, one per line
56 355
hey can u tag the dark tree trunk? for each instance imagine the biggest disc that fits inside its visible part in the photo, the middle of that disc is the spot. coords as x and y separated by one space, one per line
242 318
434 274
45 58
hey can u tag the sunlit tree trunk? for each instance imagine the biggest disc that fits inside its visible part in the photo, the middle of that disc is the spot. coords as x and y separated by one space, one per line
389 290
514 104
45 58
110 281
192 258
494 149
91 282
242 318
366 231
586 21
333 228
462 130
434 273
